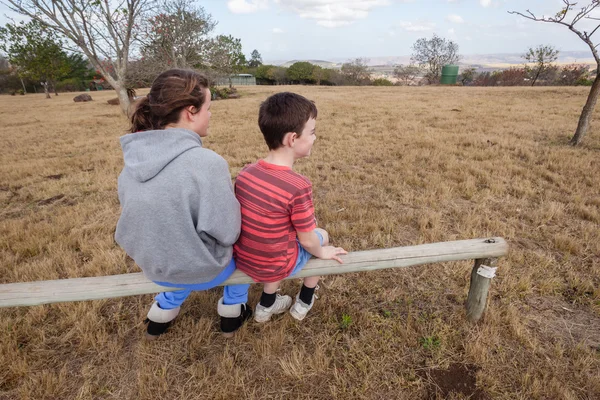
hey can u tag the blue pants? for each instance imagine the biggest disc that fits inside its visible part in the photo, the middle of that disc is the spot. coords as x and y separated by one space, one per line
233 294
303 257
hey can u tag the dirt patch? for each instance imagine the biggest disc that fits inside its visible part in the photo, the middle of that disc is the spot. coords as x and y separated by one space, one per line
55 177
558 320
50 200
457 379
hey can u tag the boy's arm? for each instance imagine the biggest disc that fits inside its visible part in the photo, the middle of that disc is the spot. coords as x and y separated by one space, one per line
303 219
311 243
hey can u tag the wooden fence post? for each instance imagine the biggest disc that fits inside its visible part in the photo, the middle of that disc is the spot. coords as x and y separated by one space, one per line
480 285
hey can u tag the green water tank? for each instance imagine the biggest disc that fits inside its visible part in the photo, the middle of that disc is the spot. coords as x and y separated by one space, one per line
449 74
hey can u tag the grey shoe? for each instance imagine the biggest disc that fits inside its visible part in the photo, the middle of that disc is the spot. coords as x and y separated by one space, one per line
263 314
300 308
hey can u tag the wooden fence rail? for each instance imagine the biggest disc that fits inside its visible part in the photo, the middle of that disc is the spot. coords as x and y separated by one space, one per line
485 252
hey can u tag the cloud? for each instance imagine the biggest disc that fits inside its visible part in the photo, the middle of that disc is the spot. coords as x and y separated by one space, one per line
485 3
416 26
451 31
332 13
456 19
277 30
246 6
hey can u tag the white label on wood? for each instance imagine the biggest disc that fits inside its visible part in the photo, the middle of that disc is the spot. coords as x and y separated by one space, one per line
486 271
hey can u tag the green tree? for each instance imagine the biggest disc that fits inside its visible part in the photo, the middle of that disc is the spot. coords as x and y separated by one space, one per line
301 72
225 56
566 17
265 73
542 58
319 74
79 73
467 76
357 72
255 59
36 52
432 54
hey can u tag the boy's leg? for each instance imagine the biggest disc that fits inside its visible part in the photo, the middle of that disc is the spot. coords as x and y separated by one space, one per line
305 298
271 302
233 308
324 236
163 311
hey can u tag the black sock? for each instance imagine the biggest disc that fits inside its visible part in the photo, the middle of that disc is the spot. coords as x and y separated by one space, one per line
306 294
267 300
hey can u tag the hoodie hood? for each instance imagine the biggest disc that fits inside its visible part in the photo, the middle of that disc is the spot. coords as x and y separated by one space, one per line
147 153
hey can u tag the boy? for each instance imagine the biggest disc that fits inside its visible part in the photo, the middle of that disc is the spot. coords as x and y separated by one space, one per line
279 232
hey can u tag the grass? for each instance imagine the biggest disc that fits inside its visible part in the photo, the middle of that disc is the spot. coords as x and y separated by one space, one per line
391 167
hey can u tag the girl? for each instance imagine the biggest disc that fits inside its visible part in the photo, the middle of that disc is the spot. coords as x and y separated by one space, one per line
179 215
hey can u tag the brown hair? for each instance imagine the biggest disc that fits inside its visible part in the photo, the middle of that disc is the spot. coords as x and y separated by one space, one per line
171 92
282 113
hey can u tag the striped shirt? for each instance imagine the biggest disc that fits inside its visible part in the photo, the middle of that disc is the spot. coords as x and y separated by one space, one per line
275 203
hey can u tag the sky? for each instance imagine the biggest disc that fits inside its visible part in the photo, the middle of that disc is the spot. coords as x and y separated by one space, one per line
337 29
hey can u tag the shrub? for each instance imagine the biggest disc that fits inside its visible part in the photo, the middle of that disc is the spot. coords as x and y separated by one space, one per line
223 93
71 85
382 82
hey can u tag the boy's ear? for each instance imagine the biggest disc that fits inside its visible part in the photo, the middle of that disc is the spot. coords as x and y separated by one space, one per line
289 138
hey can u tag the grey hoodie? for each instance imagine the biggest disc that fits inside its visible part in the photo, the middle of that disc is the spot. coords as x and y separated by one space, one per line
179 215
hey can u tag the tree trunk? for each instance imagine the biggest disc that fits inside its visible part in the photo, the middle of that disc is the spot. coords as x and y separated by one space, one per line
45 85
586 114
536 77
23 83
123 99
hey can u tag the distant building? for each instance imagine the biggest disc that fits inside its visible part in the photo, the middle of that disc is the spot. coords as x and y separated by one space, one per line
238 80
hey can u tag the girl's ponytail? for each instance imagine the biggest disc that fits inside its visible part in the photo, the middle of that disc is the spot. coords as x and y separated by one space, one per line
171 92
141 118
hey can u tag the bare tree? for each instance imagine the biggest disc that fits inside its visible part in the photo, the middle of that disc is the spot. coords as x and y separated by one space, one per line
542 57
432 54
104 30
407 74
560 18
177 37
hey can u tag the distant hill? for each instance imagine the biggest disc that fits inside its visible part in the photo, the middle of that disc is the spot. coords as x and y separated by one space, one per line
479 61
320 63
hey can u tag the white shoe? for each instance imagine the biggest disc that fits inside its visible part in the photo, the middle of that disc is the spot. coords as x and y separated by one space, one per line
263 314
300 308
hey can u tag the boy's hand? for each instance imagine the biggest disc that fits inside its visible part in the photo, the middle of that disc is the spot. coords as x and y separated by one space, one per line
332 253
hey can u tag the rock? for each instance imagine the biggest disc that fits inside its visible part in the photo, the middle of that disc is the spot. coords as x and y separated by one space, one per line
113 102
82 98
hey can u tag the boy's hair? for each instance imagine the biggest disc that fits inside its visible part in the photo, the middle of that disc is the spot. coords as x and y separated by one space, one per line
282 113
171 92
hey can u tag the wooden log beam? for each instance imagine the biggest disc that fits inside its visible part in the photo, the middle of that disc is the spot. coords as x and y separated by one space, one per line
103 287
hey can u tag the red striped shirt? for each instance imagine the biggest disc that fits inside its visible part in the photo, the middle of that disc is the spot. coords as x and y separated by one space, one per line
275 202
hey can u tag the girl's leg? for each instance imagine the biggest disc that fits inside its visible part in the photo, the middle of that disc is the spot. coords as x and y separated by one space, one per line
164 310
235 294
171 300
233 308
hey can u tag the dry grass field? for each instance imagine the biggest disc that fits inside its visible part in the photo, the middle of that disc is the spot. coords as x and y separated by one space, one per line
391 167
